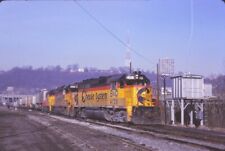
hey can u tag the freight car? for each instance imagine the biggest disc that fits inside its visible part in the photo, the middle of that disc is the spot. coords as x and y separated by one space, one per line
119 98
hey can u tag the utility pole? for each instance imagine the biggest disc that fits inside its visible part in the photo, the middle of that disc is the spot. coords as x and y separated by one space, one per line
130 67
164 95
158 92
164 90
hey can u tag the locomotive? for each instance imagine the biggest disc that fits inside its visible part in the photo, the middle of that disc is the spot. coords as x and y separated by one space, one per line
116 98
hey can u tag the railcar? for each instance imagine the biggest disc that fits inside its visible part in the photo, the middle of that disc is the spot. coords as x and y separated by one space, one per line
41 99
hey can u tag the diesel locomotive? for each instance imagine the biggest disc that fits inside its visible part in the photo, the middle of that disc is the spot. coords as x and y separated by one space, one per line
118 98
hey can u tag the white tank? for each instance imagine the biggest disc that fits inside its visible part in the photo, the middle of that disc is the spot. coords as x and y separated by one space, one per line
188 87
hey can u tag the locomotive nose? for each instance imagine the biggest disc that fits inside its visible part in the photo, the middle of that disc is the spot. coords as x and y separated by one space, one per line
143 95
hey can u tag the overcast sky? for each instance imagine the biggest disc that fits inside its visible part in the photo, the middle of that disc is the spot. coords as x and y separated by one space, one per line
43 33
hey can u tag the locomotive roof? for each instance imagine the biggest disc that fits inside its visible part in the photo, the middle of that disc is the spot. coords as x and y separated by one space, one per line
117 77
100 81
56 90
110 78
105 80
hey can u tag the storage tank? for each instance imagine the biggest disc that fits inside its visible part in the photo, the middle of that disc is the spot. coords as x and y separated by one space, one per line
188 87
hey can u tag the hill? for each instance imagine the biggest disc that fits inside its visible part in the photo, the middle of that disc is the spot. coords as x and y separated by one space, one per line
29 80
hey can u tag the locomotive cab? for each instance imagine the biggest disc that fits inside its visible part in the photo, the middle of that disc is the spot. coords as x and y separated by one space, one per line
137 93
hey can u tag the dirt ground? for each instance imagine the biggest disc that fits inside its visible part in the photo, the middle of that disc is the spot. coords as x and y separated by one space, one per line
26 131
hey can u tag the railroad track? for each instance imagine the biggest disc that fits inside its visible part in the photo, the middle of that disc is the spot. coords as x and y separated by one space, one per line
179 135
82 144
200 134
201 141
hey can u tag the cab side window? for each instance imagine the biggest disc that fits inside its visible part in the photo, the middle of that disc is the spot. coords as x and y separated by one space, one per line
121 84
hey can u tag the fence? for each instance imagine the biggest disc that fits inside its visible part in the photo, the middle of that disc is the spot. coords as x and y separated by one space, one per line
215 114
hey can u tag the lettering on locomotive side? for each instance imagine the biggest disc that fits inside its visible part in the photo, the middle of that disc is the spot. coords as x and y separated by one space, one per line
86 96
113 93
101 96
89 96
93 96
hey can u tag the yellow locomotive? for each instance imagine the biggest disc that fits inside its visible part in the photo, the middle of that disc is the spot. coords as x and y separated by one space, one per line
119 98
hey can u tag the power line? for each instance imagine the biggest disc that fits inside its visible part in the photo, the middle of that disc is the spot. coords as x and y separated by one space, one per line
111 33
76 0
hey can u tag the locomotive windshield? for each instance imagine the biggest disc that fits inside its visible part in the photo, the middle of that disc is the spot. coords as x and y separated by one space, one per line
136 80
72 88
